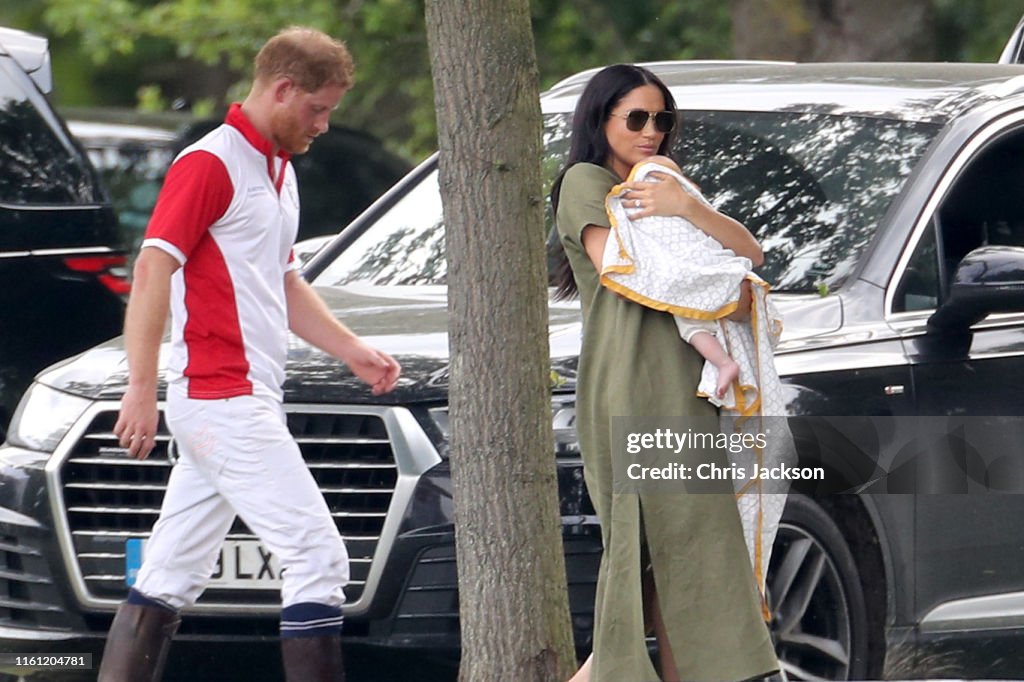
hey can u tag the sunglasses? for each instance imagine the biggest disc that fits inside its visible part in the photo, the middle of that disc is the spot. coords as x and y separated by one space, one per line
636 120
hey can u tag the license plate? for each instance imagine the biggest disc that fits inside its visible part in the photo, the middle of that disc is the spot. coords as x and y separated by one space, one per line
241 565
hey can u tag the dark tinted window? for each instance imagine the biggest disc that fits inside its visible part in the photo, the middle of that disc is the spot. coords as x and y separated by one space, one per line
35 165
984 207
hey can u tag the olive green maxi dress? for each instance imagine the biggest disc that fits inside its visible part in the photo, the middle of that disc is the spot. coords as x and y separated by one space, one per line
634 363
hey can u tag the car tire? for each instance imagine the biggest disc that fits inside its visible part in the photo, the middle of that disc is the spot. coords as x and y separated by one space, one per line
819 620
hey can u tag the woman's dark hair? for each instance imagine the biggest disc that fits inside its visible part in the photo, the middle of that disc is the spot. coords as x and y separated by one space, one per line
590 145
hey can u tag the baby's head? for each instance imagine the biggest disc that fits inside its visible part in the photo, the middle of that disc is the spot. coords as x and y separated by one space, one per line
661 161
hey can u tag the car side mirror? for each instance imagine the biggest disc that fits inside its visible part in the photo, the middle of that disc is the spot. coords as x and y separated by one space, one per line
988 280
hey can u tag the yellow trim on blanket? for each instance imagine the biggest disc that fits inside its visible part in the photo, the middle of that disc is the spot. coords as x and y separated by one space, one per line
613 193
691 313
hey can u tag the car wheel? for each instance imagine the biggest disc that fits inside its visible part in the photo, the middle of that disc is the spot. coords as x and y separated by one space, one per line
818 612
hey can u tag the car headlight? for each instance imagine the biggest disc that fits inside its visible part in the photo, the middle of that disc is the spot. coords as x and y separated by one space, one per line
563 422
43 416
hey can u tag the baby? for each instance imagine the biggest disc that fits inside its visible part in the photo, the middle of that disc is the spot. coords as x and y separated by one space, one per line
667 263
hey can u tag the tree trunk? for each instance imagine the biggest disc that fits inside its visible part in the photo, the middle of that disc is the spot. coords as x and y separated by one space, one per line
833 30
513 597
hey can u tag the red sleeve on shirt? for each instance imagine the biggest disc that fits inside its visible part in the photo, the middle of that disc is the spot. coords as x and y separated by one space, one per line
196 193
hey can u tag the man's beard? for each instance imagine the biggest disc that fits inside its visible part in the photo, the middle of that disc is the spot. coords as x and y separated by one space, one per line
288 133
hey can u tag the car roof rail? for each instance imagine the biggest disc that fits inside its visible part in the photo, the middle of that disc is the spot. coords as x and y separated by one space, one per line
32 53
671 65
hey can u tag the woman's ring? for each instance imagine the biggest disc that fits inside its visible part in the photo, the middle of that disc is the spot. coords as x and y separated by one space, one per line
636 203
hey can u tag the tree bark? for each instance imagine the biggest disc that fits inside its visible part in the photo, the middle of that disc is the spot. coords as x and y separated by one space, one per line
512 584
833 30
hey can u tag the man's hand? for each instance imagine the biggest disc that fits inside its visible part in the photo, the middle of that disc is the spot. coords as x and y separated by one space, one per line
137 422
311 320
143 329
375 367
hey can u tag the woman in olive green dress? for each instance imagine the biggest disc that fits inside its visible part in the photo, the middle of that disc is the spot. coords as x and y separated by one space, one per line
677 561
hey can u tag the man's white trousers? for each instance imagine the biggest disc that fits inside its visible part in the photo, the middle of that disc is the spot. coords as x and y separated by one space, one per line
236 456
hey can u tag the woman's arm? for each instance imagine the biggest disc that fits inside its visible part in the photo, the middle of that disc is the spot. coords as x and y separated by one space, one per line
670 199
594 239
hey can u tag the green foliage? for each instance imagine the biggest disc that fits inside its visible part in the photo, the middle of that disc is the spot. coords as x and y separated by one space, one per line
975 31
105 28
134 43
151 99
394 93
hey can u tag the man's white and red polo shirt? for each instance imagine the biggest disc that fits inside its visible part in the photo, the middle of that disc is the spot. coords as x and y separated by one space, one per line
229 213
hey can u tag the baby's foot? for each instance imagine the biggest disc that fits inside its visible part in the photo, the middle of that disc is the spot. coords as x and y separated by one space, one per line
728 372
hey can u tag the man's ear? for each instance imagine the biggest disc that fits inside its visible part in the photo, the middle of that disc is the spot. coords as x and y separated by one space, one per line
282 88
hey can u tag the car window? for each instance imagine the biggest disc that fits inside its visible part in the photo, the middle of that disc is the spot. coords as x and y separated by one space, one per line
812 188
133 172
983 207
406 245
922 283
36 166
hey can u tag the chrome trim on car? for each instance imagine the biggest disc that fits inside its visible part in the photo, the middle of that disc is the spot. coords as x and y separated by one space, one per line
411 448
14 518
915 324
991 130
85 251
841 358
35 634
991 612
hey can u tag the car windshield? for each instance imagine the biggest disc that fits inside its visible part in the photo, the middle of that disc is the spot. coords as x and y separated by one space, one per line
813 188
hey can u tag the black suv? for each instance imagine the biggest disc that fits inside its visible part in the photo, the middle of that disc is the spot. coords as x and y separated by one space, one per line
887 197
62 257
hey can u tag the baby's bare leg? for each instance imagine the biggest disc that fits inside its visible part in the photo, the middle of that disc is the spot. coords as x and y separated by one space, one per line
712 351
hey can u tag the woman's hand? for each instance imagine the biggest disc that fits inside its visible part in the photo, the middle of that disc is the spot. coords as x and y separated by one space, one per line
742 312
670 199
663 197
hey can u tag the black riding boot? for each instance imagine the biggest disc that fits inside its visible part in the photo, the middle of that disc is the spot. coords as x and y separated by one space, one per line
137 644
312 659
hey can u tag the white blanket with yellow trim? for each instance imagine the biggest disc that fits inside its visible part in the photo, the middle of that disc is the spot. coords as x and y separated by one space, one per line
669 264
759 413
